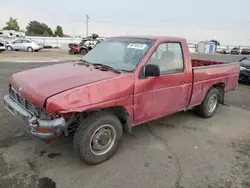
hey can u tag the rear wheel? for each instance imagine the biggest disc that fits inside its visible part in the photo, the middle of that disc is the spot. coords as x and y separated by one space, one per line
9 48
97 136
210 104
83 51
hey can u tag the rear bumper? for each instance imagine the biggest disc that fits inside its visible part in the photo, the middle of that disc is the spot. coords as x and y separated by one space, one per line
55 126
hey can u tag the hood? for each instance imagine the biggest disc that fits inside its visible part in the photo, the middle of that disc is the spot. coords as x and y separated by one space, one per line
245 63
40 83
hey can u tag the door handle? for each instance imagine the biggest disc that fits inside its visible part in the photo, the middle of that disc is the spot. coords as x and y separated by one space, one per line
183 82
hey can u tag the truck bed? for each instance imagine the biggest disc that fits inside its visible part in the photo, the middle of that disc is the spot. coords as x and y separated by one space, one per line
208 73
199 62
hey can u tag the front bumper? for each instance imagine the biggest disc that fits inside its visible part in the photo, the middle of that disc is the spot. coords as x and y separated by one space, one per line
53 127
244 75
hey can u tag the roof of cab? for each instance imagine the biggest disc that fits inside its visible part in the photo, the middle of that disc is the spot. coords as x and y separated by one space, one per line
150 37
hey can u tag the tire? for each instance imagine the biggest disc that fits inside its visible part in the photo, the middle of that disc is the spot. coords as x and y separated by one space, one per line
206 111
71 52
87 132
83 51
30 49
9 48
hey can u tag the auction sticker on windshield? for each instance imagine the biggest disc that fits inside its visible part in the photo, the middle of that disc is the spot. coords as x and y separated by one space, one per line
137 46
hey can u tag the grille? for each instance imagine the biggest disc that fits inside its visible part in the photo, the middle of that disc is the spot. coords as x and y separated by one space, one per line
28 105
247 70
247 67
22 101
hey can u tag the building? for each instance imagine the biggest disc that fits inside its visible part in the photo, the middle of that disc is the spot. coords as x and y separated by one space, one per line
206 47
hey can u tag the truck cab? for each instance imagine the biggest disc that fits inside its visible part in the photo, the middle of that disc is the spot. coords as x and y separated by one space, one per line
123 82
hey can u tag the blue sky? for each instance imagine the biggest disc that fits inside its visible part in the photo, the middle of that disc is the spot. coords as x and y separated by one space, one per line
225 20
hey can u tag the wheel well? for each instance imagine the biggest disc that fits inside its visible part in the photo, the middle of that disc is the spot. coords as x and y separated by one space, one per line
221 89
120 112
123 116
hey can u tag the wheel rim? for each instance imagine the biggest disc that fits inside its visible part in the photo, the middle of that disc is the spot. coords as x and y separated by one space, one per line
9 48
102 140
29 49
212 103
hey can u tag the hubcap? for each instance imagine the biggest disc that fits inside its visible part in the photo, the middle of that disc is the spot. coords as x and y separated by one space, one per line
212 103
102 140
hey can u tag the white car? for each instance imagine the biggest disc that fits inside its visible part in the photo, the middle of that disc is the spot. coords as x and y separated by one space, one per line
24 45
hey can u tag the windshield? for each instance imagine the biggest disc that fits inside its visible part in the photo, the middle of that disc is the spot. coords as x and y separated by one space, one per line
121 54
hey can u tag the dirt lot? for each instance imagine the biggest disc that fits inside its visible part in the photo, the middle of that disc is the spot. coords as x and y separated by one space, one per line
179 151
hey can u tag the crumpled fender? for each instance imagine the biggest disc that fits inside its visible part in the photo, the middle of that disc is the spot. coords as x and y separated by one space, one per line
107 93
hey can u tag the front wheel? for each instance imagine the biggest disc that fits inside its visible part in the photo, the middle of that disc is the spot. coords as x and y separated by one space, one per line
97 136
71 52
210 104
30 49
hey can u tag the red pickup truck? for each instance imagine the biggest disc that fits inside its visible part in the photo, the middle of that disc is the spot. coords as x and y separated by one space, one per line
123 82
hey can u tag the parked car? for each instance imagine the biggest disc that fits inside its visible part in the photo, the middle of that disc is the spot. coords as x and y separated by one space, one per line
245 51
2 46
235 51
24 45
121 83
225 51
244 70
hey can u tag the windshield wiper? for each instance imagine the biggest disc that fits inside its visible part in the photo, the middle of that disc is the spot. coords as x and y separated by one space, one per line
106 66
85 62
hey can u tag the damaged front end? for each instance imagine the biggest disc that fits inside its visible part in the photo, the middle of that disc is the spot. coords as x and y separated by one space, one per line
41 125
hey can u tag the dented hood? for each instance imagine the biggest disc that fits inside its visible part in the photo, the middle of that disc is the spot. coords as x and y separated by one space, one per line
40 83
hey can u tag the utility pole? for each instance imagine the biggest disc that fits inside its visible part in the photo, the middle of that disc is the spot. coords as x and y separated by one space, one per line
87 25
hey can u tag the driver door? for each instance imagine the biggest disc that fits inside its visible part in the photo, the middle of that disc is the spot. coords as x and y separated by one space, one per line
168 93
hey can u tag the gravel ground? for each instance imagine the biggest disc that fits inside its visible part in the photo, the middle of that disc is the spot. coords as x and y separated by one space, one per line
179 151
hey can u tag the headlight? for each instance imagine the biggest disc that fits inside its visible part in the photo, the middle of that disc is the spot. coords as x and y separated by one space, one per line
242 68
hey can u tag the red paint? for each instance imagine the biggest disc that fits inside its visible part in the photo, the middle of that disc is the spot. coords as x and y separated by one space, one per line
67 88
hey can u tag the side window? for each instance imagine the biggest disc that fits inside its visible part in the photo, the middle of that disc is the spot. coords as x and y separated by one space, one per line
169 57
26 41
17 41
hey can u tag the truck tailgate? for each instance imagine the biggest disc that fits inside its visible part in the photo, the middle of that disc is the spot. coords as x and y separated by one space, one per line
205 77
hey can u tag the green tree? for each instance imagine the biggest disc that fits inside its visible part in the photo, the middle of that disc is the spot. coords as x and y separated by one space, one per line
36 28
94 36
46 34
12 24
59 31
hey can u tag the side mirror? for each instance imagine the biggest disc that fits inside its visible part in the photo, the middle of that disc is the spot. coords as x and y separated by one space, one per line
151 70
